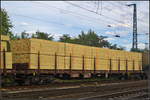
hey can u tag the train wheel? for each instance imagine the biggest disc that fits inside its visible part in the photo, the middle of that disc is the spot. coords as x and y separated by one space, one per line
8 81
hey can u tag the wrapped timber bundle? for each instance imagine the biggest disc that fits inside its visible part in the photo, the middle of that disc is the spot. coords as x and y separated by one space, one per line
6 55
57 57
145 59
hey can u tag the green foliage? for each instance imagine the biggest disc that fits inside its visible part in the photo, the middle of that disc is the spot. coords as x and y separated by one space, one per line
24 35
65 38
137 50
15 37
42 35
90 39
6 24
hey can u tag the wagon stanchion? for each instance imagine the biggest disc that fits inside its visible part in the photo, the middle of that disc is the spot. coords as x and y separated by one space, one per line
126 66
119 65
83 65
0 66
55 63
133 65
110 67
94 65
126 73
4 62
70 65
38 63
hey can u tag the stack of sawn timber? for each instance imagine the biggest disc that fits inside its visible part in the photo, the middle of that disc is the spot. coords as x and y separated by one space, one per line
27 50
6 55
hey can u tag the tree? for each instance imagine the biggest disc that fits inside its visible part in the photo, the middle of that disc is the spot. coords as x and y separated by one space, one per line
42 35
24 35
65 38
137 50
6 24
91 39
15 37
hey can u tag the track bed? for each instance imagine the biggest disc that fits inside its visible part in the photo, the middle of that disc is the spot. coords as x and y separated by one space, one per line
74 92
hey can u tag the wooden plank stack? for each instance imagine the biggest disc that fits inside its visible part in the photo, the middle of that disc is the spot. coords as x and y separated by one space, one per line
49 52
7 60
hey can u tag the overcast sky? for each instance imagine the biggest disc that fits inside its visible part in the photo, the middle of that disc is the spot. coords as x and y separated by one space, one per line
70 17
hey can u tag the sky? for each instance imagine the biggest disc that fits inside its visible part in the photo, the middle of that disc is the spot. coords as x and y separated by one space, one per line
72 17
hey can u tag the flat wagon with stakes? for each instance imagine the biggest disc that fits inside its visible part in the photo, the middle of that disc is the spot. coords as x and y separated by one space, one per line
38 61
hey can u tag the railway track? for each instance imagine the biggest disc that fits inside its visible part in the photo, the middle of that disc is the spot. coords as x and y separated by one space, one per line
123 95
64 84
75 93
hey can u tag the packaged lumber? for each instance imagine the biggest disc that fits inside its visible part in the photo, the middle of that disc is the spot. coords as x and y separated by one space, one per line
145 57
68 55
5 38
122 60
8 55
3 46
27 52
8 60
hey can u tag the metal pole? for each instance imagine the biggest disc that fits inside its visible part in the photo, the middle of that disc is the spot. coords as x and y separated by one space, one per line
0 62
149 69
134 43
0 70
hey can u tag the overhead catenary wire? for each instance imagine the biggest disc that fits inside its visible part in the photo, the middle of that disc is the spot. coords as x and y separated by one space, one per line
75 13
121 7
94 12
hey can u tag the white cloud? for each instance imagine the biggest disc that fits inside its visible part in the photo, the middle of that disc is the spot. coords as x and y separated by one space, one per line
110 33
71 20
109 39
141 45
129 46
56 35
24 24
31 31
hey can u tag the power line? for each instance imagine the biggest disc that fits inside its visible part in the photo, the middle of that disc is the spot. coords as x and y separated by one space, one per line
73 13
121 7
93 12
45 21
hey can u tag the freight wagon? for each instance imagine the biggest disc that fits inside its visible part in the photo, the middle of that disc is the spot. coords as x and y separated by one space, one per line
37 60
